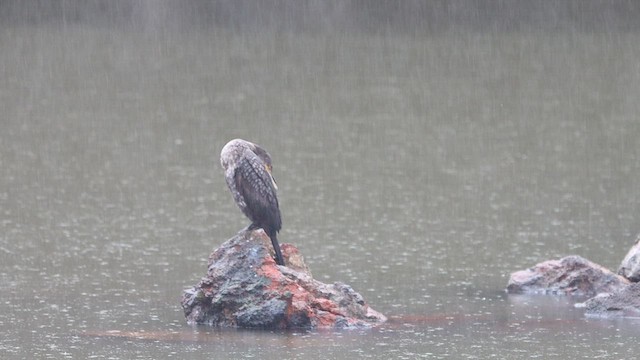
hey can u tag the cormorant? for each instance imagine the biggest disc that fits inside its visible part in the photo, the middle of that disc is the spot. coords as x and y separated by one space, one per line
247 170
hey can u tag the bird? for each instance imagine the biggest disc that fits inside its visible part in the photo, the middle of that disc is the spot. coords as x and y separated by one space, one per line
247 170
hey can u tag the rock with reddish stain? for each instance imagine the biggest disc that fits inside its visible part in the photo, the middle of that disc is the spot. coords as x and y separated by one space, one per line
571 275
244 287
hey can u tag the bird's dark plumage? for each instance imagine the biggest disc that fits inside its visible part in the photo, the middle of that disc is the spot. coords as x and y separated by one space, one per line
248 175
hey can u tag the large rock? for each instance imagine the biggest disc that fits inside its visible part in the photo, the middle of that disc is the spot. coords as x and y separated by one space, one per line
630 266
622 303
244 287
572 275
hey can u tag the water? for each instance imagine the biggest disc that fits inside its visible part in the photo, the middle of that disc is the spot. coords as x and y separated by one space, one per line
420 162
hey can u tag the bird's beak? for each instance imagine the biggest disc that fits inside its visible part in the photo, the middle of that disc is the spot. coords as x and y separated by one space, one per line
273 180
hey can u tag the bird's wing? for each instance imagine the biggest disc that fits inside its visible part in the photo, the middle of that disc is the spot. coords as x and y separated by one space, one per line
256 186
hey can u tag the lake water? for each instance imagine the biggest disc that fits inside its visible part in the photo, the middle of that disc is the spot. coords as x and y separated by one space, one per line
423 153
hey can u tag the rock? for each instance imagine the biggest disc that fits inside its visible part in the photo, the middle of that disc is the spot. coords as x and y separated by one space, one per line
630 266
622 303
572 275
244 287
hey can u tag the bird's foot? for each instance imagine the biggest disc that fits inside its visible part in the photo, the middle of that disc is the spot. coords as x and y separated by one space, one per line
252 227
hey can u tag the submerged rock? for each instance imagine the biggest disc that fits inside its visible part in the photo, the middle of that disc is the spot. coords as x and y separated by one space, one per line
572 275
244 287
622 303
630 266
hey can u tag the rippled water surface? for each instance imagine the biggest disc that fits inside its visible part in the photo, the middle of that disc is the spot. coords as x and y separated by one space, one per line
422 153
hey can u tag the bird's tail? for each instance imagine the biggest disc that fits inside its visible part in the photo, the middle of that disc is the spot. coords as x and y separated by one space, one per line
276 248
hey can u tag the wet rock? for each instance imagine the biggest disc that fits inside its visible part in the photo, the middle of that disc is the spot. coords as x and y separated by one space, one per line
622 303
572 275
630 266
244 287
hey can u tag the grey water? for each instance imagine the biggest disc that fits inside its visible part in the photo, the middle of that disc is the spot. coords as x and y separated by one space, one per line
423 152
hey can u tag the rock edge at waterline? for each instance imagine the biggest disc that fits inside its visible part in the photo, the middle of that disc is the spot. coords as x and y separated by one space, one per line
611 294
244 287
